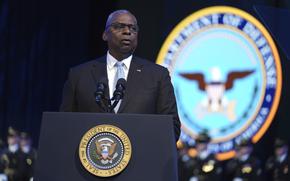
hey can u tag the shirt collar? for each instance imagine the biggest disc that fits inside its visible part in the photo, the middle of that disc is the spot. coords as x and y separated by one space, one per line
282 157
111 61
13 148
244 157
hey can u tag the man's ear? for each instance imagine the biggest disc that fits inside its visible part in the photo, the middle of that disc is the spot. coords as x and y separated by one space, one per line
105 36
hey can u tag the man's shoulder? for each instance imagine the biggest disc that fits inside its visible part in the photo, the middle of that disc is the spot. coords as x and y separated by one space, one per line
101 61
89 64
150 64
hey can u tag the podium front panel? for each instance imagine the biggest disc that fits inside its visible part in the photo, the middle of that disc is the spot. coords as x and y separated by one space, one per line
154 155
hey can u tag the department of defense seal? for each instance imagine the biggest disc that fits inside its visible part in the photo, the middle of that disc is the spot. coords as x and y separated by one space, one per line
105 150
226 73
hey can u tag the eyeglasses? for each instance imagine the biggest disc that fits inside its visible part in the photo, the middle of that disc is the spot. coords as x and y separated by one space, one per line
122 26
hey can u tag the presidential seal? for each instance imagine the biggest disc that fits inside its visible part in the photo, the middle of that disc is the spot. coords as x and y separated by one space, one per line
105 150
226 73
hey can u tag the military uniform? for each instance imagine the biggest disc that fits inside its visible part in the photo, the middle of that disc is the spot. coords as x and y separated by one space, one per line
246 170
29 155
12 159
245 166
278 170
277 167
203 166
29 163
204 169
11 164
183 159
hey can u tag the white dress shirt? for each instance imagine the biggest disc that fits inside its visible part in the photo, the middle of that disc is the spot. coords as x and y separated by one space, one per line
112 70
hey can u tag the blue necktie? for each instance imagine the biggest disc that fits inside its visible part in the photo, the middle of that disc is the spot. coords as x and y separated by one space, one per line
119 74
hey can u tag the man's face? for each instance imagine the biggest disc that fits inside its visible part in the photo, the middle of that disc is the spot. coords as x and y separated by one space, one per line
121 34
281 150
244 150
201 147
11 140
25 142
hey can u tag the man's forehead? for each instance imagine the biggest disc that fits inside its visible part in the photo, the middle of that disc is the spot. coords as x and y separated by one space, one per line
124 18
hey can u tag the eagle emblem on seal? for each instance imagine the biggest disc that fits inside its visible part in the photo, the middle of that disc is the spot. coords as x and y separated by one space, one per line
215 100
106 150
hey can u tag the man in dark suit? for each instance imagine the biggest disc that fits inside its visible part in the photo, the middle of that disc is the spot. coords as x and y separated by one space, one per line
148 88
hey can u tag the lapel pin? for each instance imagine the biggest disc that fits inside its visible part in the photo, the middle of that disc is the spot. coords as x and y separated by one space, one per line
138 70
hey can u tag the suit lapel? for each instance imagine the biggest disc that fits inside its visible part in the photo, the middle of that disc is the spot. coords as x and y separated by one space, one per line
133 79
99 71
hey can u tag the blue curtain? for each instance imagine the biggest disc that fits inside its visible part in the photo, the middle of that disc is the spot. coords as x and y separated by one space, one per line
39 41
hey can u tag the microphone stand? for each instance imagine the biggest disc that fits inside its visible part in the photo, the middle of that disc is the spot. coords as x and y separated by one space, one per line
100 96
118 93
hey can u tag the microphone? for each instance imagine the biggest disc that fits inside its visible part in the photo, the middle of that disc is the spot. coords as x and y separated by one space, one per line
100 93
120 89
118 93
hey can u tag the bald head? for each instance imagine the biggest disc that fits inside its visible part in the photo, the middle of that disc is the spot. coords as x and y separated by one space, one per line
121 34
115 14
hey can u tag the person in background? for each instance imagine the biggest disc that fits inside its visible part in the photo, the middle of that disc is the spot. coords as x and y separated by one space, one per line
244 166
12 159
183 158
277 166
203 166
3 177
29 155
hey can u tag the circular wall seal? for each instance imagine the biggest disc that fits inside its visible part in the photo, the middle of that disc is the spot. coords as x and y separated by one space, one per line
105 150
226 73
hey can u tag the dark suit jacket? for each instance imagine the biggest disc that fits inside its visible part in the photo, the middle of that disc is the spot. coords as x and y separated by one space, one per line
148 89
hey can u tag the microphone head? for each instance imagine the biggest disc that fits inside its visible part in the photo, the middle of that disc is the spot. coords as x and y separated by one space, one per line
102 84
120 89
121 82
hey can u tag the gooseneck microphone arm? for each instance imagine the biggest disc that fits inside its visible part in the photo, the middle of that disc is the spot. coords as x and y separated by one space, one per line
100 95
118 93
